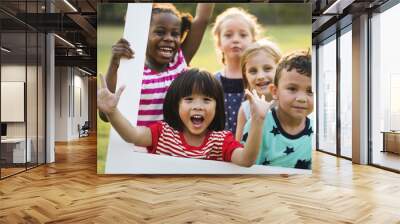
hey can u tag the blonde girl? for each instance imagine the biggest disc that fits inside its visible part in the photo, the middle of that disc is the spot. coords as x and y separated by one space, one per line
258 65
234 30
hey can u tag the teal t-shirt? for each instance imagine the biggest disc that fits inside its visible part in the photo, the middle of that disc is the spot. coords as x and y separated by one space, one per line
278 148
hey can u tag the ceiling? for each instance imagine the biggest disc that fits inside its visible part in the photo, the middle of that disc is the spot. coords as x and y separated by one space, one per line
330 15
74 22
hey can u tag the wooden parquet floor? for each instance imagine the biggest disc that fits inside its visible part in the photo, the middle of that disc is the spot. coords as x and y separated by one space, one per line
70 191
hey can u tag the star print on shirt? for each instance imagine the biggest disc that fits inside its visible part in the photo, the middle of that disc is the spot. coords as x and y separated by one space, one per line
275 131
303 164
288 150
309 132
266 162
244 138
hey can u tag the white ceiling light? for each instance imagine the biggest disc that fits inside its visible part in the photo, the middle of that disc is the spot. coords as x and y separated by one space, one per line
71 6
337 7
5 50
65 41
84 71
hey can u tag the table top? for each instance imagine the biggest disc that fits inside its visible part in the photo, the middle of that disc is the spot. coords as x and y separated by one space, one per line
391 132
13 140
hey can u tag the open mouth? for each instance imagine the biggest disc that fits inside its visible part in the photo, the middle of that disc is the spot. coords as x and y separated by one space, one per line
197 120
166 52
263 85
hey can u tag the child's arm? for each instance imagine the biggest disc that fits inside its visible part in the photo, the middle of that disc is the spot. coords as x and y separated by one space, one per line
241 121
196 32
258 106
107 103
119 49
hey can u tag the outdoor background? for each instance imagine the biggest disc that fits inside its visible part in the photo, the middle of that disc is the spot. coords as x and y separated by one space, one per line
289 25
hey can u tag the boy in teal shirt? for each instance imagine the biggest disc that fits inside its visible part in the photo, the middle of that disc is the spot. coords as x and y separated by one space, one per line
287 131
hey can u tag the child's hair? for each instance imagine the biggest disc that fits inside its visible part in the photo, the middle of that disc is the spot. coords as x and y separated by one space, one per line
299 60
186 18
251 20
190 82
265 45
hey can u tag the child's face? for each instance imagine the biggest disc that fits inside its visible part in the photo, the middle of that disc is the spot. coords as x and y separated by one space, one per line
294 94
197 111
235 37
260 72
164 38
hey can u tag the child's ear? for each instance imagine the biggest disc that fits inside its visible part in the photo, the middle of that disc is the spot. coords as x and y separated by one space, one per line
273 89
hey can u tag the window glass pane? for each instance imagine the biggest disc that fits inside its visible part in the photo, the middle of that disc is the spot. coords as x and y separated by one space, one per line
385 88
22 62
14 153
327 96
346 94
31 97
41 98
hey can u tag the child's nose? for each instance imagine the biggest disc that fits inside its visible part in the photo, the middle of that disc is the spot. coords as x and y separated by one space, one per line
197 106
301 98
260 76
168 36
236 38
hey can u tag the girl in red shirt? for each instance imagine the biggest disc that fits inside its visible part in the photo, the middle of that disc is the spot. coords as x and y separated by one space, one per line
193 125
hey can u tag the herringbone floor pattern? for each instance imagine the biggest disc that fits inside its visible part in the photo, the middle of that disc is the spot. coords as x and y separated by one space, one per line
70 191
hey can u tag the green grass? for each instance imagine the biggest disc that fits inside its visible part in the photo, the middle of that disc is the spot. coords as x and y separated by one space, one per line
106 37
288 38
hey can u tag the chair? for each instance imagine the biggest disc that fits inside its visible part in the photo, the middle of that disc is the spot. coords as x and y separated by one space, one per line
84 130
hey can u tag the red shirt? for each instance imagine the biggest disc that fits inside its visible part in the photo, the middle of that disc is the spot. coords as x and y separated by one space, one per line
217 145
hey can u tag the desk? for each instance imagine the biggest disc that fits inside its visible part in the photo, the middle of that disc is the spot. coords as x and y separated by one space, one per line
391 141
17 150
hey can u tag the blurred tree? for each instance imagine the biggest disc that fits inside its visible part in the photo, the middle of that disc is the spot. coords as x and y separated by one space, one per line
267 13
111 13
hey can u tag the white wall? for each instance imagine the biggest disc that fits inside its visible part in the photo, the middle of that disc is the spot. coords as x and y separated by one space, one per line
33 126
16 73
71 94
61 103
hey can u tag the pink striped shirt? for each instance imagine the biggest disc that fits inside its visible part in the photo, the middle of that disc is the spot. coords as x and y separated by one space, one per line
217 145
154 88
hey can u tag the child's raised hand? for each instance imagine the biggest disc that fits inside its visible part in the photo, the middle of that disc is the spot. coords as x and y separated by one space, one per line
258 105
107 101
122 49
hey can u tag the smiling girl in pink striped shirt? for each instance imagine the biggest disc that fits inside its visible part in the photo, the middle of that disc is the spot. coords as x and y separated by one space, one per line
173 40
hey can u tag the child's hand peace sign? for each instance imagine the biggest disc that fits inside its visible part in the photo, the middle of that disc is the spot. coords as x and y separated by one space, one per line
107 101
258 105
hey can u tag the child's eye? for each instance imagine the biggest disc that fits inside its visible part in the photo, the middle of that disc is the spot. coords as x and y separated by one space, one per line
252 71
310 92
206 99
159 32
227 35
291 89
188 98
267 69
176 34
243 35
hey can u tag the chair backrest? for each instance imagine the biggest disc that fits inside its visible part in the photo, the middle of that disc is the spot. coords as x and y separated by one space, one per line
86 125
